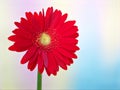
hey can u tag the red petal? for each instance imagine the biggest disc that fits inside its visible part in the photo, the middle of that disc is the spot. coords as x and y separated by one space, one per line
52 65
71 32
45 59
49 62
55 18
40 63
71 35
29 15
67 25
61 22
12 48
61 63
48 73
21 45
23 34
22 26
69 41
64 59
28 55
48 19
38 27
18 25
28 25
18 48
41 21
66 53
33 61
12 38
69 47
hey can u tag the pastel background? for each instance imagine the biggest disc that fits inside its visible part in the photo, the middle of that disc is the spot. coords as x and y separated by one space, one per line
98 63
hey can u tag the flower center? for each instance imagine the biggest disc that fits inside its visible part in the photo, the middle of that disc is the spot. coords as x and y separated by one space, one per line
44 39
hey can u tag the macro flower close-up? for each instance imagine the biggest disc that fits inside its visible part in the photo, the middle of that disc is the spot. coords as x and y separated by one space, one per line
48 39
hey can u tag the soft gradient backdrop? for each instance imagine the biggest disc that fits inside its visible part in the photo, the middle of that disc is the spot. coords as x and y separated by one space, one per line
98 63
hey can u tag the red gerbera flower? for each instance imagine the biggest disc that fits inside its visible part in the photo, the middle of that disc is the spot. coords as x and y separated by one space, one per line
49 39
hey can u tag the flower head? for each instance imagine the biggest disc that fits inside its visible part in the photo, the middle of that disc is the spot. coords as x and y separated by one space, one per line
49 39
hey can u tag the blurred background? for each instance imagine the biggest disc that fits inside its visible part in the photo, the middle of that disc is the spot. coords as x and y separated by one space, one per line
98 63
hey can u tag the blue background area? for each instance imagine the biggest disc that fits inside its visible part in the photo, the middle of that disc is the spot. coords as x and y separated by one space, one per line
91 70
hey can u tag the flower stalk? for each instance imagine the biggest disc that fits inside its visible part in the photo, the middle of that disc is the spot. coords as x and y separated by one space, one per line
39 81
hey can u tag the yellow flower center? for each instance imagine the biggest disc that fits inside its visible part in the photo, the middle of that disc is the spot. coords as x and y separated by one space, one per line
44 39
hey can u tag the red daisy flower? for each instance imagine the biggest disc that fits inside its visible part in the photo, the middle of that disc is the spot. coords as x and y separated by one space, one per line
49 39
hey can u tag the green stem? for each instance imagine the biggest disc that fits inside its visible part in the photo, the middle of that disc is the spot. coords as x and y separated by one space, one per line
39 81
